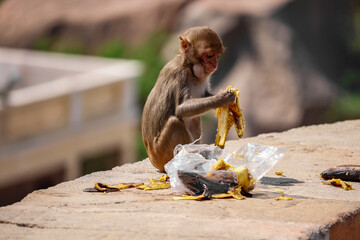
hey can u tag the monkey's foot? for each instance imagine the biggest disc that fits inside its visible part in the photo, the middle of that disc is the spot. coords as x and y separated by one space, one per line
228 116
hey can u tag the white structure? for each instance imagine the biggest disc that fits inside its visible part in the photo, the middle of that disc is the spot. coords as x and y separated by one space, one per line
61 109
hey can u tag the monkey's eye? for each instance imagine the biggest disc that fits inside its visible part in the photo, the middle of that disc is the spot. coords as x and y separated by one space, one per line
210 56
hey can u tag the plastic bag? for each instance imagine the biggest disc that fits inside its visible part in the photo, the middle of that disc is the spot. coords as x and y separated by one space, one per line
190 169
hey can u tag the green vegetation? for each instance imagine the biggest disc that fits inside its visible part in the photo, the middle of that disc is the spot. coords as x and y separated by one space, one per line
43 44
114 49
350 80
149 54
347 107
354 39
48 44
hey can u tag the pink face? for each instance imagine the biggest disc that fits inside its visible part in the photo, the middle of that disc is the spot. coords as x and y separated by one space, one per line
209 60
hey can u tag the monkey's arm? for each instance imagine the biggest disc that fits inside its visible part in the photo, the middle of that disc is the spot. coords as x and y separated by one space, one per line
208 94
197 106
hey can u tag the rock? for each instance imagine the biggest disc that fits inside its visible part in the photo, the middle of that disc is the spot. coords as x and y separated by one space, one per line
317 210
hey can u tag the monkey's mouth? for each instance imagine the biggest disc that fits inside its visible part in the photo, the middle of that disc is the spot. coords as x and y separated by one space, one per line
208 66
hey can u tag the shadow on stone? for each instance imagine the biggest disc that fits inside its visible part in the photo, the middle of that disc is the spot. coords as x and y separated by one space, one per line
284 181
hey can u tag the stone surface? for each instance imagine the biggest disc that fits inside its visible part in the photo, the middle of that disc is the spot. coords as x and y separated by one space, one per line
317 210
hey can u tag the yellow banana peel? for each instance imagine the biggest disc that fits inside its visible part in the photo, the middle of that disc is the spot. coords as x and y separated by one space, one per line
339 182
228 116
162 183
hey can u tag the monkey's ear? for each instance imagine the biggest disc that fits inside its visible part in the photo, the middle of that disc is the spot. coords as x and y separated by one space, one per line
185 45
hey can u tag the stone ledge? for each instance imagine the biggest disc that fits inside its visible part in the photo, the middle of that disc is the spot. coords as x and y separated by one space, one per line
317 211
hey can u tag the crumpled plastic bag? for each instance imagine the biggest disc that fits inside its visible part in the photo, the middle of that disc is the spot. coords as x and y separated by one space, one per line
190 168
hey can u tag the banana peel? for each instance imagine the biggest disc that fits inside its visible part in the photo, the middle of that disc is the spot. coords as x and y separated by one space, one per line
339 182
244 177
220 165
101 187
228 116
236 193
283 197
204 196
348 172
155 184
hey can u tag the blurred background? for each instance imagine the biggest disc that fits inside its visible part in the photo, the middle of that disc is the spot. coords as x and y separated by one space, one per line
75 74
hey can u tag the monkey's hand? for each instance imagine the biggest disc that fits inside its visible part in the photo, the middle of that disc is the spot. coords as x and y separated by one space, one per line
228 116
225 97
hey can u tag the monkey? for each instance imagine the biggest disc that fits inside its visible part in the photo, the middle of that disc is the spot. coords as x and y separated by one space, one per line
181 94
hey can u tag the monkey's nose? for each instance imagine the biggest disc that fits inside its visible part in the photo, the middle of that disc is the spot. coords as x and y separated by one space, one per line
211 66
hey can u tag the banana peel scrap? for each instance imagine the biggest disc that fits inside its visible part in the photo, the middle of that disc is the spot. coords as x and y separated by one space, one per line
339 182
101 187
282 197
244 177
234 193
204 196
220 165
155 184
245 183
228 116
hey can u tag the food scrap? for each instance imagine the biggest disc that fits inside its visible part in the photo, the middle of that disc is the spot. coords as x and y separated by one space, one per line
220 165
162 183
339 182
155 185
282 197
228 116
279 173
279 190
204 196
101 187
343 172
220 195
215 182
164 178
245 180
222 181
236 193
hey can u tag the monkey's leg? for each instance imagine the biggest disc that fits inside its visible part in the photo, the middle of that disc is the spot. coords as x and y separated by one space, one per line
173 133
194 126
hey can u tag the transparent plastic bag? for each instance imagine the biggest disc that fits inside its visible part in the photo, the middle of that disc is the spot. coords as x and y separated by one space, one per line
190 169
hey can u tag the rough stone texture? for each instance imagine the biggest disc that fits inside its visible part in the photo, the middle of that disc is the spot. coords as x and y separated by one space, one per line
317 211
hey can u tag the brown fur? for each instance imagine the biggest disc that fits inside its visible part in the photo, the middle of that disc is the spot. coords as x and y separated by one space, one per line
170 115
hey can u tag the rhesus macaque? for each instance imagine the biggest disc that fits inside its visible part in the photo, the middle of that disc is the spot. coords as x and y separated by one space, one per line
181 94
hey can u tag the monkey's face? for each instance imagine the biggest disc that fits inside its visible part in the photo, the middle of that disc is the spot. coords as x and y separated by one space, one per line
209 61
206 63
